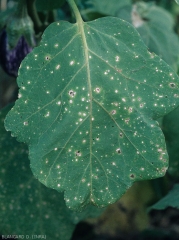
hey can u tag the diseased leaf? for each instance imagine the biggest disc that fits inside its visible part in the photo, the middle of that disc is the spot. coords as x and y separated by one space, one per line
170 127
89 96
170 200
26 206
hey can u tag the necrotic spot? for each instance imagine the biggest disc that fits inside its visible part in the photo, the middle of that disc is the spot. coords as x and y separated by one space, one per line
118 150
71 93
121 134
78 153
97 90
172 85
47 58
113 112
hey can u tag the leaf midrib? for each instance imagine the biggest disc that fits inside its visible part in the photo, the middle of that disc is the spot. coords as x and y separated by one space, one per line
80 24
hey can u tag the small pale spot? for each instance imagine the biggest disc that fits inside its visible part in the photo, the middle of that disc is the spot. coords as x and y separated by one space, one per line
117 58
113 112
58 66
72 63
97 90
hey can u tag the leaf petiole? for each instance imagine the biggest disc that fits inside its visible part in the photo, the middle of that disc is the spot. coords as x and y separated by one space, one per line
74 8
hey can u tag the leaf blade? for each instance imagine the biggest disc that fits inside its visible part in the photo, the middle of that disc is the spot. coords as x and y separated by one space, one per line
90 128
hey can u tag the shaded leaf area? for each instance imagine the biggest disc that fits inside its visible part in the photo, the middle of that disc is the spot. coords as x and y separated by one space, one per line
4 15
108 7
26 206
170 128
97 9
89 96
155 26
49 4
170 200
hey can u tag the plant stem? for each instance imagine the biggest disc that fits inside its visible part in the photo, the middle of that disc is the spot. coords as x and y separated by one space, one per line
32 11
75 10
21 10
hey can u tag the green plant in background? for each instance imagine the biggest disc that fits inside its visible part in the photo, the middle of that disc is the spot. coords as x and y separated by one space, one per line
90 102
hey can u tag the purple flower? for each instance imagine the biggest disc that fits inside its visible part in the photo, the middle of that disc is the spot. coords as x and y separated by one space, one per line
10 59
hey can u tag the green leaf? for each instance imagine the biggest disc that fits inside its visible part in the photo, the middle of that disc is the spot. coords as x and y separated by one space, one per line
170 127
155 26
109 7
89 96
177 1
28 207
49 4
170 200
4 15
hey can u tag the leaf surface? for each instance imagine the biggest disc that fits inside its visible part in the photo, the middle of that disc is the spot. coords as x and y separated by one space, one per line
27 206
89 96
170 127
109 7
155 26
170 200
